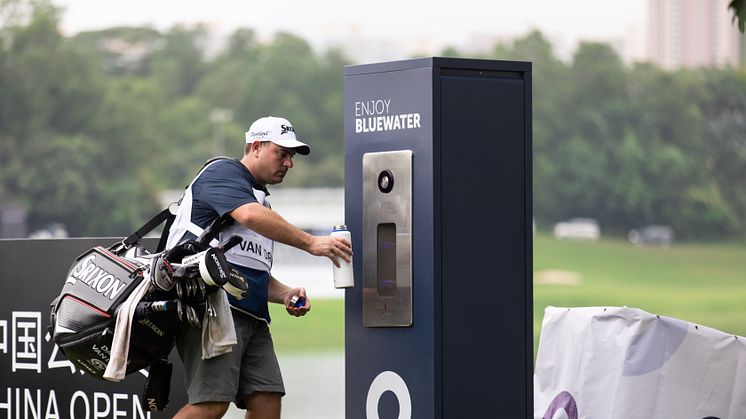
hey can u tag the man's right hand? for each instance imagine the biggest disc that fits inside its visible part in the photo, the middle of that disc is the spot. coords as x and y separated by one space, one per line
331 247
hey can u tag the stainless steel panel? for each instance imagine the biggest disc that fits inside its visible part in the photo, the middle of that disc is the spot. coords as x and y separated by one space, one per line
387 199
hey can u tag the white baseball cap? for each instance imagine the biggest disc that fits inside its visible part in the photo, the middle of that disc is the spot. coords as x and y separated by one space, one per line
278 130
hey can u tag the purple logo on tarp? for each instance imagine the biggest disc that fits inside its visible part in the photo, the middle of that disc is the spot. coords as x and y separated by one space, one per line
564 401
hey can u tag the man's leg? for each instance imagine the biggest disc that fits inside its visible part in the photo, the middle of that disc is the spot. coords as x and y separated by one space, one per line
260 390
206 410
211 384
263 405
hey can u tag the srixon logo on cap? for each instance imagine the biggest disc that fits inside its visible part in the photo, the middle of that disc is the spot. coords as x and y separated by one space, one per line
102 274
286 128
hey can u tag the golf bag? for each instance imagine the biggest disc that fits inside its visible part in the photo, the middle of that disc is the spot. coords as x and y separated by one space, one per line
159 293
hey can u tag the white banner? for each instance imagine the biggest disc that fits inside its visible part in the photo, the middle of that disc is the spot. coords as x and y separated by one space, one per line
622 363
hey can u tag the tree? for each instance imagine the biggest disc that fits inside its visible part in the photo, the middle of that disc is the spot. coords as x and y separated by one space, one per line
178 66
630 201
120 51
739 13
633 146
118 115
722 101
228 78
284 77
59 156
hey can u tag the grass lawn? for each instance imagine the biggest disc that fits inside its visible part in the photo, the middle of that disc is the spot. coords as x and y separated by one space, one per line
321 330
704 284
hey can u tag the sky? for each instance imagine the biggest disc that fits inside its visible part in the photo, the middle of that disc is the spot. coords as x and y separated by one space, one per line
405 25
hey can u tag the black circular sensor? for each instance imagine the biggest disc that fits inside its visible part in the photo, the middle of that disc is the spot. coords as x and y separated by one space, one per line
385 181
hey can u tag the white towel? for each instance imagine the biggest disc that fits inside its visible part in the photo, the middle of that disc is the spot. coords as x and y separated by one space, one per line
218 329
116 369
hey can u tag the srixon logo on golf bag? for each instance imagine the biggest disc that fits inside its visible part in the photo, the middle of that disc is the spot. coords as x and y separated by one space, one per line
83 315
100 278
96 277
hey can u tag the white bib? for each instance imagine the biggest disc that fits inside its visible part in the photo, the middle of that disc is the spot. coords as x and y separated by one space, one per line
255 251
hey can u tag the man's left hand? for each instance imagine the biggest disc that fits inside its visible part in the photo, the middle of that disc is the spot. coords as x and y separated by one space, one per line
297 311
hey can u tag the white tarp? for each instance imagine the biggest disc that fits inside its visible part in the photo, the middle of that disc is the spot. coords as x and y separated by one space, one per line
622 363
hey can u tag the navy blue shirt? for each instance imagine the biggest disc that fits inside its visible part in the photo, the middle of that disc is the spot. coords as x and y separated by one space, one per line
224 186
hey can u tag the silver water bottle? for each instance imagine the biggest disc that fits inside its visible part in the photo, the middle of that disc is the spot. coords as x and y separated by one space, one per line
343 276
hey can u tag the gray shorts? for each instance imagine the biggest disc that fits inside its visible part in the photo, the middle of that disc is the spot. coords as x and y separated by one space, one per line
251 366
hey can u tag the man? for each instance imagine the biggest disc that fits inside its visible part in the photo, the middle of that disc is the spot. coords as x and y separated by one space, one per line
249 375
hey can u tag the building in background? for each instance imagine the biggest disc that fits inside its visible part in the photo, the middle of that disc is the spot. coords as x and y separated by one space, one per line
316 210
694 33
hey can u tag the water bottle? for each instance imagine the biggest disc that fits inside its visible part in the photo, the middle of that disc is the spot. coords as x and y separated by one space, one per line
343 276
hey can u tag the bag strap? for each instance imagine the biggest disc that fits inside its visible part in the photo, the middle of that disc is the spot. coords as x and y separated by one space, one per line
157 386
164 235
154 222
169 217
216 158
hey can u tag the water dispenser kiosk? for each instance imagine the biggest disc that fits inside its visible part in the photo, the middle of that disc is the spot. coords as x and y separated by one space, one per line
438 200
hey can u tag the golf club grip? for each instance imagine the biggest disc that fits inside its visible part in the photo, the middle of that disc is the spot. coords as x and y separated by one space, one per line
230 243
213 230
